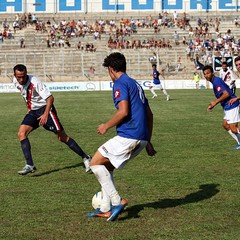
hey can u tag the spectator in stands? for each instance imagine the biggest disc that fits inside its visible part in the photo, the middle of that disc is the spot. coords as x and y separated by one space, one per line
61 42
48 39
96 35
67 41
22 43
10 34
179 63
1 38
92 72
34 19
29 18
198 64
79 46
4 33
176 38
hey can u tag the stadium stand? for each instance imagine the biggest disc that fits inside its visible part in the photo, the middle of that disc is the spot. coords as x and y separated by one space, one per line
61 58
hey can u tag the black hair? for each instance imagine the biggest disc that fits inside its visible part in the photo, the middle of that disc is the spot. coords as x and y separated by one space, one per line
207 67
237 59
154 65
20 68
117 61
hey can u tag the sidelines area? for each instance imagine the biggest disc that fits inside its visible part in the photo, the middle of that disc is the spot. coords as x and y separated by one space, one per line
106 85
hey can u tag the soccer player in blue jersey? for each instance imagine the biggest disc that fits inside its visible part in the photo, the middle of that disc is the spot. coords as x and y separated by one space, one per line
41 112
223 96
133 120
156 83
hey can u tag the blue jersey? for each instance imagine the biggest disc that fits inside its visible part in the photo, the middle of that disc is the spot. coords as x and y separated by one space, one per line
219 86
134 126
156 77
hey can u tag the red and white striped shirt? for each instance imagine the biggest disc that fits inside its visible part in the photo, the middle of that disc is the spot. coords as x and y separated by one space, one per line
34 92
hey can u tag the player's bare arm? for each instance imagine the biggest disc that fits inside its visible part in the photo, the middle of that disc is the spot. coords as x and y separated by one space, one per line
212 104
149 147
233 100
43 118
119 115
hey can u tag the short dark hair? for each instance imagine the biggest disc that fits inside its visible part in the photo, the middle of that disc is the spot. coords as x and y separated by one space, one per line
20 68
224 63
237 59
208 67
117 61
154 65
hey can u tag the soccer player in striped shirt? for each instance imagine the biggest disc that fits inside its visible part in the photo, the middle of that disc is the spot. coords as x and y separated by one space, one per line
41 112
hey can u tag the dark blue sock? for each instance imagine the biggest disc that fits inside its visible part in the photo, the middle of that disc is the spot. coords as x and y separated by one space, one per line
26 148
76 148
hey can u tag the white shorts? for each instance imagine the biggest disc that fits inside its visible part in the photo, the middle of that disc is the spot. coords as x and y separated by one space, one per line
119 150
156 86
232 116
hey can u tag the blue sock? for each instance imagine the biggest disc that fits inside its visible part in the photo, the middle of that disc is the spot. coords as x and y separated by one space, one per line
76 148
26 148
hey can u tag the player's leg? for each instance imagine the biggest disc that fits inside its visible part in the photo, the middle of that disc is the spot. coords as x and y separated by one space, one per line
227 127
103 170
70 142
28 124
235 131
115 153
54 125
230 123
151 88
164 92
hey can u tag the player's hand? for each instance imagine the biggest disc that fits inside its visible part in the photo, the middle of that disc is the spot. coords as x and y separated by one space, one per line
43 119
210 107
101 129
233 100
150 150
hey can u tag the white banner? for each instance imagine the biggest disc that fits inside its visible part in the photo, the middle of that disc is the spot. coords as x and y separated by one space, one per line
107 85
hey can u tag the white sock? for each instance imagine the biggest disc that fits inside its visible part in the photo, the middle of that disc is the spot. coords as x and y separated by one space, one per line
165 92
105 179
106 201
236 137
152 91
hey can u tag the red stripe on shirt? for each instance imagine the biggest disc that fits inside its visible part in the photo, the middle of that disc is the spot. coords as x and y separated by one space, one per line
226 76
29 96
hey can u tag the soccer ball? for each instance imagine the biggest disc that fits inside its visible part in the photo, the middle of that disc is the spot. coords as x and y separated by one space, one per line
97 200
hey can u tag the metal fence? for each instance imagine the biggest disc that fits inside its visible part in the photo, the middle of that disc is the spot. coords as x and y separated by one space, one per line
74 65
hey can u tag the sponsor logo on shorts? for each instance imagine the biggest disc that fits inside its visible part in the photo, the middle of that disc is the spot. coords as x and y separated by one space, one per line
104 149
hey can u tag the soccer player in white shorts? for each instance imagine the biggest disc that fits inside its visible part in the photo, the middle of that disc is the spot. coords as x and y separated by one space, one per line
133 120
156 83
229 102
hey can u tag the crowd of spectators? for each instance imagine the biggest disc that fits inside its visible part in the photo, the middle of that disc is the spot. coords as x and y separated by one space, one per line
203 41
204 45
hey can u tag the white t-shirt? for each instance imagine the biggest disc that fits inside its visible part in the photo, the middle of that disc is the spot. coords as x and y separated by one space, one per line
227 76
34 92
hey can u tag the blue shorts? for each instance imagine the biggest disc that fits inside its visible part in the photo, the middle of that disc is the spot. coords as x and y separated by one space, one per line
53 124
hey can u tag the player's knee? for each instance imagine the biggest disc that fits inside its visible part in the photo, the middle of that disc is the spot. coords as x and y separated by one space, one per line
234 130
63 138
21 135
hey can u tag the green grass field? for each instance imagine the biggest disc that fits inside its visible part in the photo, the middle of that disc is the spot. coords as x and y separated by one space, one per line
189 190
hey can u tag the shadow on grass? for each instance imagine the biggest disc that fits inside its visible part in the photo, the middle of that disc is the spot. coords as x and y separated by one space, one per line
57 170
206 191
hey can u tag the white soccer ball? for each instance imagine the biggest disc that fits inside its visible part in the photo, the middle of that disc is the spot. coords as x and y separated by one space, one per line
97 200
